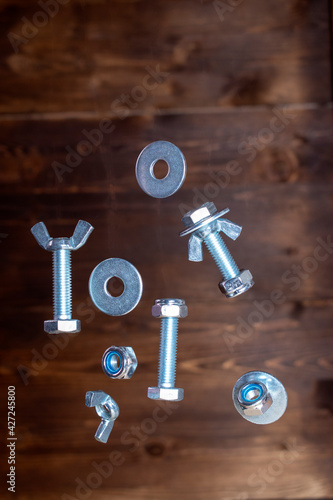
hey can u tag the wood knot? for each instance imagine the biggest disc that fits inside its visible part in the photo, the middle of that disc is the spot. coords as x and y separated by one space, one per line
155 449
278 165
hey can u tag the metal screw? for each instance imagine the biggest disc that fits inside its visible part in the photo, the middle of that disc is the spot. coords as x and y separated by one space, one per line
62 286
204 224
107 409
169 311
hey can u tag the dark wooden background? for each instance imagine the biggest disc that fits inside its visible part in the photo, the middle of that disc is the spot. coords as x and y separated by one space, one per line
227 68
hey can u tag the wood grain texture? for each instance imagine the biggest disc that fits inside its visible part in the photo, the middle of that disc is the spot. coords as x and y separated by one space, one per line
247 101
93 52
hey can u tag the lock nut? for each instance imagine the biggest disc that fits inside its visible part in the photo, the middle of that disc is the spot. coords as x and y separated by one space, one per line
119 362
239 284
254 399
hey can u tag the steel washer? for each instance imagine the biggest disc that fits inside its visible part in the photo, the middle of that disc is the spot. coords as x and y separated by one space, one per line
118 268
274 387
160 150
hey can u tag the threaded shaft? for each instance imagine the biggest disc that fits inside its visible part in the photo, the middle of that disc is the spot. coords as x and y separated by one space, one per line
221 255
168 352
62 284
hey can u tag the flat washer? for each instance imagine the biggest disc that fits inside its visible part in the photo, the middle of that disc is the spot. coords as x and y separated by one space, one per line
128 300
144 169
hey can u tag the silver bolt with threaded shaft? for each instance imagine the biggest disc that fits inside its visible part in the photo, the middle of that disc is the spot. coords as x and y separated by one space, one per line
204 225
62 284
62 280
224 261
169 311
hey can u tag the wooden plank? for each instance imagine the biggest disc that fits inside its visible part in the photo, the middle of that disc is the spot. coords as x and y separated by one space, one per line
261 247
278 146
192 445
221 102
103 190
257 54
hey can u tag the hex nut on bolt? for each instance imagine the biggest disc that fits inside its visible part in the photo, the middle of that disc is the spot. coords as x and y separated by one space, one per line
62 321
259 397
107 409
204 225
169 308
119 362
239 284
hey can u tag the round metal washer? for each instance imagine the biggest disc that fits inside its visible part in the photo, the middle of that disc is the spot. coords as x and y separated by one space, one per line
128 300
160 150
274 388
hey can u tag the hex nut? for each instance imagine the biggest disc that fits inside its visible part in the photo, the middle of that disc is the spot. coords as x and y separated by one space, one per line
62 326
166 394
251 388
199 214
239 284
258 405
171 308
119 362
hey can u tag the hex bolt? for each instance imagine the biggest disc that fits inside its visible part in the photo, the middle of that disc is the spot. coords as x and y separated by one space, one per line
204 224
62 282
169 311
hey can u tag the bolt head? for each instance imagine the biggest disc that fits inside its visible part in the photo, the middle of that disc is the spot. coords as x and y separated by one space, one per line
239 284
169 308
81 234
259 404
62 326
171 394
199 214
